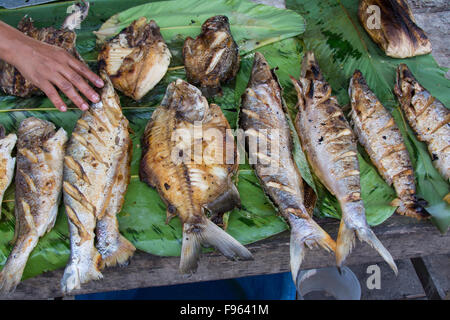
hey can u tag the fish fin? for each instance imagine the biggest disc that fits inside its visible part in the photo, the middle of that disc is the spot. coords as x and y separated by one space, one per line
309 198
413 210
306 233
12 272
207 233
226 201
85 269
344 243
124 250
447 198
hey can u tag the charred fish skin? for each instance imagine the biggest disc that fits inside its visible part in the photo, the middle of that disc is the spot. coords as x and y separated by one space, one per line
398 35
136 59
40 154
379 135
331 150
262 116
190 185
7 163
427 116
213 57
11 80
95 154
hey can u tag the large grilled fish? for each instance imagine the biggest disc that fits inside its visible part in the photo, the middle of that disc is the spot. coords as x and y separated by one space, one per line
136 59
96 173
11 81
427 116
192 182
263 118
331 150
40 154
380 136
7 162
391 24
213 57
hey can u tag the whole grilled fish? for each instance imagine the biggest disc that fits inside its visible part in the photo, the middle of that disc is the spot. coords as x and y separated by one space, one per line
213 57
427 116
136 59
11 81
96 174
380 136
331 150
391 24
40 154
192 182
263 118
7 162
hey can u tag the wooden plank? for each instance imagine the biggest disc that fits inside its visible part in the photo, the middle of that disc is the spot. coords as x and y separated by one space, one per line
402 236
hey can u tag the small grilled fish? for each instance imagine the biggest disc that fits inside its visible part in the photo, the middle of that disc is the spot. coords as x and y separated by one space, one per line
192 182
427 116
11 81
262 117
331 150
397 33
94 185
380 136
40 154
7 162
213 57
136 59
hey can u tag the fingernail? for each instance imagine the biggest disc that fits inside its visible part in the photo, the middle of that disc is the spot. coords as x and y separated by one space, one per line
84 107
99 83
95 97
62 108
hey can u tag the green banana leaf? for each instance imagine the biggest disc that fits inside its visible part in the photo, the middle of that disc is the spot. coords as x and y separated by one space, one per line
143 216
341 45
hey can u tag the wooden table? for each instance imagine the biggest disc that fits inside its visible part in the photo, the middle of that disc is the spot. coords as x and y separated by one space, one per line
402 236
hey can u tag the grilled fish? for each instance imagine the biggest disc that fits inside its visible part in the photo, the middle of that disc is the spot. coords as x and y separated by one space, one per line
40 154
136 59
7 162
11 81
263 118
96 173
213 57
330 147
380 136
427 116
393 28
191 183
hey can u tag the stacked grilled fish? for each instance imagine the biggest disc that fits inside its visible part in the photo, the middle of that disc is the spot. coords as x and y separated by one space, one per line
11 81
213 57
331 150
264 121
136 59
393 28
185 158
96 175
40 154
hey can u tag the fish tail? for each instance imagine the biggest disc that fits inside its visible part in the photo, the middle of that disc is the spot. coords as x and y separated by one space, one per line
413 209
345 242
114 248
86 268
12 272
306 233
208 233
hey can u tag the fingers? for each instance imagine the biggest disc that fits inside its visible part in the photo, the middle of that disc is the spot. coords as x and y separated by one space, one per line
53 95
69 90
78 81
81 68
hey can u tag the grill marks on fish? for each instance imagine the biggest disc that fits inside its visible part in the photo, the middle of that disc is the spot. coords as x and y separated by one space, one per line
7 162
136 59
427 116
380 136
262 112
213 57
96 176
38 188
398 35
195 182
334 160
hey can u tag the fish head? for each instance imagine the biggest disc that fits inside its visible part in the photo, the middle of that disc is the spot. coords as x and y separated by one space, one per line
186 100
78 12
404 80
310 67
33 132
261 72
